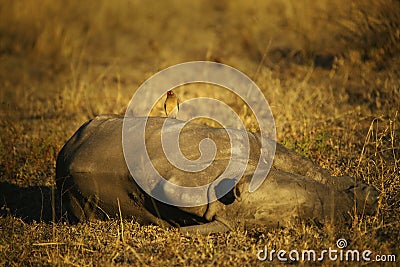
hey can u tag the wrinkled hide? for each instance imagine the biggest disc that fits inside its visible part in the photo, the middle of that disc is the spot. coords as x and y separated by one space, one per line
95 183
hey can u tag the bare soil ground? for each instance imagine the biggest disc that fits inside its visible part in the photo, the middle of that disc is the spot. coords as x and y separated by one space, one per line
329 69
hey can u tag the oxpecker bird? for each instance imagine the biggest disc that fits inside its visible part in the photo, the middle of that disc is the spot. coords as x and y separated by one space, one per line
171 105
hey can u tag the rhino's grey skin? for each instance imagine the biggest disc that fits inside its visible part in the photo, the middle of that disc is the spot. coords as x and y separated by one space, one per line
95 183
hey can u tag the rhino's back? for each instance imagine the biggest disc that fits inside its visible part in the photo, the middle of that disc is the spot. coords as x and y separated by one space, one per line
91 173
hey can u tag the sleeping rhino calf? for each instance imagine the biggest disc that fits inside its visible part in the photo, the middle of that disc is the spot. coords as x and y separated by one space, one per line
95 183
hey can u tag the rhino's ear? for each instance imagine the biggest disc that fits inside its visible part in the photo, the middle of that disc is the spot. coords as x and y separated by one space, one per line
225 185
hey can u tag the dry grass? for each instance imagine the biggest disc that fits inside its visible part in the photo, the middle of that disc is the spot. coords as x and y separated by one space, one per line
328 69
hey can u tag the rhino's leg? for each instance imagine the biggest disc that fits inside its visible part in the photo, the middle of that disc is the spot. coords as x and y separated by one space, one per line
207 228
92 209
82 209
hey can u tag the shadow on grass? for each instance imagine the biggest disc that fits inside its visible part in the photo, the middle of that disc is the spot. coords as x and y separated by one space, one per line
29 203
